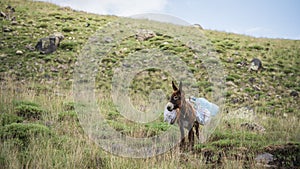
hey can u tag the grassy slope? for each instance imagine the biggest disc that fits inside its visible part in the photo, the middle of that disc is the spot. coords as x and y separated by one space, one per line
45 79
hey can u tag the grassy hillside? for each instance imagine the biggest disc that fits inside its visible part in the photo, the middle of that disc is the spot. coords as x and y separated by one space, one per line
39 127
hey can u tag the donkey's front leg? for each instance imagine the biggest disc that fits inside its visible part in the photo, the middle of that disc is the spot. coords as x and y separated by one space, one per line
182 136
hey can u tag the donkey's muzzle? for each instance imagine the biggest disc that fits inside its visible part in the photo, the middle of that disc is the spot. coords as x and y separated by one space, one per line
170 106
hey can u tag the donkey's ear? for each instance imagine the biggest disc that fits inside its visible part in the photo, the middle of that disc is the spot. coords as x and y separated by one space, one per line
180 86
174 86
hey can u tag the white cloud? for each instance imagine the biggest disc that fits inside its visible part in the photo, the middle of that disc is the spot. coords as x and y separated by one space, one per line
114 7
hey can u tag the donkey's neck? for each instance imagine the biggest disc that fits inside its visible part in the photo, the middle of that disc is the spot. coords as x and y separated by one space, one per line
183 103
184 106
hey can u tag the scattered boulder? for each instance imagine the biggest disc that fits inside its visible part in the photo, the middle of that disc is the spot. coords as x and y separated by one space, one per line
255 65
14 22
10 8
8 14
108 39
230 83
294 94
253 127
230 60
198 26
49 44
2 14
58 36
252 79
265 160
246 113
241 64
143 34
19 52
256 87
7 29
256 96
46 45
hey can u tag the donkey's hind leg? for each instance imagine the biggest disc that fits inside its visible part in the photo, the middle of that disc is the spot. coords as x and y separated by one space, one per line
191 139
196 125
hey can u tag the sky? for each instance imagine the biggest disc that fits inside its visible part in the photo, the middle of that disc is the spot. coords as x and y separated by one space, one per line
259 18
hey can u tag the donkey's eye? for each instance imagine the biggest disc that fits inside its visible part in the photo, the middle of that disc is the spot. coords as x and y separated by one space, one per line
175 97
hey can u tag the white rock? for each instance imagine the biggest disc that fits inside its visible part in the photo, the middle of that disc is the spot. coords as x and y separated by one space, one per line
230 83
19 52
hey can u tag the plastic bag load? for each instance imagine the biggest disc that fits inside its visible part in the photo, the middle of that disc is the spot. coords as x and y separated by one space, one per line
205 110
169 116
203 103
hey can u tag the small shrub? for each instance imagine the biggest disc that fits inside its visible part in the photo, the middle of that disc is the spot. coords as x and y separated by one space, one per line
94 159
159 126
67 18
43 25
67 106
208 89
6 119
68 45
203 84
45 20
228 93
249 90
54 14
121 127
67 29
220 49
68 116
23 132
233 77
180 49
288 70
113 115
256 47
32 55
229 78
29 111
290 84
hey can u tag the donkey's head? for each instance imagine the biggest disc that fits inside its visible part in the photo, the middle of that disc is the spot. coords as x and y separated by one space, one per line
176 97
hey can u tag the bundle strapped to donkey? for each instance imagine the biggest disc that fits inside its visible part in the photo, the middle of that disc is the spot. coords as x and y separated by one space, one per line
205 110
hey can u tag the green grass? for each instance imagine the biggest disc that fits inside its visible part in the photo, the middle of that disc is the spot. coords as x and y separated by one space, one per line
37 107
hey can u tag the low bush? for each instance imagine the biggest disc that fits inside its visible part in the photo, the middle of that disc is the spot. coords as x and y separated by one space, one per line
29 112
68 116
23 132
6 119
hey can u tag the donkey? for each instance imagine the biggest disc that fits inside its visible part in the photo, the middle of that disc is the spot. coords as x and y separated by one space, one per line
185 114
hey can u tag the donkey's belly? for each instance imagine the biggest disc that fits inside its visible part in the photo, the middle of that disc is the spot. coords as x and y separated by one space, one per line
186 124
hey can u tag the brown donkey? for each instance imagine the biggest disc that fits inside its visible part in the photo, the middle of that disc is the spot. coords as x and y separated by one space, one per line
186 114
